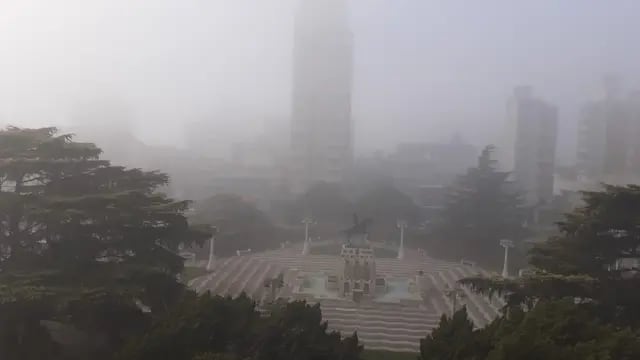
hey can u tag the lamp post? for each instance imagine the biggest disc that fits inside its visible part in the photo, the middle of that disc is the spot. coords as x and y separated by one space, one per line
506 244
454 294
402 224
307 246
212 241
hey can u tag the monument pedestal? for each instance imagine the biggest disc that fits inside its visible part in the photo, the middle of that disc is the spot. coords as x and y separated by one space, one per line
358 271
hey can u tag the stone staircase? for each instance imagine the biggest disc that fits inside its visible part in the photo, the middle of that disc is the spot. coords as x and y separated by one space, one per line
383 326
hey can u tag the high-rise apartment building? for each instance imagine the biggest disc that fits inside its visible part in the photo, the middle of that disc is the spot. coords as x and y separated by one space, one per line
321 124
532 132
608 138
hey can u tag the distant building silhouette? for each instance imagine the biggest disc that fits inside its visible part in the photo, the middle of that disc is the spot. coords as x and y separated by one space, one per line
532 127
321 124
609 137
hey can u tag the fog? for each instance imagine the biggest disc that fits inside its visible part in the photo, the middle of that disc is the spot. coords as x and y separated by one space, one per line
422 69
319 179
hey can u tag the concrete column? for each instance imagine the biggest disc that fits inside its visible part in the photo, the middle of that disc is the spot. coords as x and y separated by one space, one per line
212 241
306 249
506 244
401 225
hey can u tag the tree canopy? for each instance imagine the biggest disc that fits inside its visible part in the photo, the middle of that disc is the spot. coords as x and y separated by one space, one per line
325 202
482 207
212 327
551 330
452 339
241 225
580 299
385 205
594 259
82 242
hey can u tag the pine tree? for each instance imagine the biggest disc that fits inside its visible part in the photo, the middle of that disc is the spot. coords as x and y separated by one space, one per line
482 207
83 242
554 330
451 340
385 205
241 225
213 327
592 261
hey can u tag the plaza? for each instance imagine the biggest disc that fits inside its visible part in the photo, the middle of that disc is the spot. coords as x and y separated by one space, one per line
393 314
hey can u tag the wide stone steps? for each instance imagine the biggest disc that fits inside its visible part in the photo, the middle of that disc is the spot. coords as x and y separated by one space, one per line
389 319
366 324
234 275
382 326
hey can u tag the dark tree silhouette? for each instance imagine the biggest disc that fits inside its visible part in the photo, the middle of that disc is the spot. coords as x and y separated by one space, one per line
82 242
482 207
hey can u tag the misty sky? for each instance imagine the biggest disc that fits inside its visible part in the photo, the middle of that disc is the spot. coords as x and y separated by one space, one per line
424 69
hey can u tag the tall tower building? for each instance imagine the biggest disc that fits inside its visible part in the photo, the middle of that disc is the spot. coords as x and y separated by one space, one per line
608 145
321 124
533 127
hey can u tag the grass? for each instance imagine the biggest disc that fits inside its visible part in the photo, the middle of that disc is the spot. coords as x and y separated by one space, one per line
191 272
387 355
334 249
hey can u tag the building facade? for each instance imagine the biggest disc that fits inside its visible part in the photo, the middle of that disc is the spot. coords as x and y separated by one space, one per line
415 165
532 133
609 139
321 123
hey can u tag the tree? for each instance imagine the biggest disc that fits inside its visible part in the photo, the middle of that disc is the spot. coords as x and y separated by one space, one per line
592 260
213 356
82 242
325 202
241 225
482 208
560 330
386 205
199 325
552 330
212 327
451 340
298 332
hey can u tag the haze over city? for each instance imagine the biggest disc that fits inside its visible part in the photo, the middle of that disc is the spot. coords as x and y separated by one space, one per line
422 69
319 180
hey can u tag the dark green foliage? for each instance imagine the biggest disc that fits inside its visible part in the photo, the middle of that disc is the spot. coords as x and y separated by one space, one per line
22 336
551 330
451 340
595 236
326 203
213 356
385 205
581 301
207 327
240 224
482 208
587 260
561 330
297 332
387 355
199 324
82 241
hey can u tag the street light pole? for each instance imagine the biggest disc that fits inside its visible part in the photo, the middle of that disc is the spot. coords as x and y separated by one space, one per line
402 224
307 246
214 231
506 244
454 294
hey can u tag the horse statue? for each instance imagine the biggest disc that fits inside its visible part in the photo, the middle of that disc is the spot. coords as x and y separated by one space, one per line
359 228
